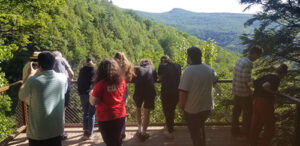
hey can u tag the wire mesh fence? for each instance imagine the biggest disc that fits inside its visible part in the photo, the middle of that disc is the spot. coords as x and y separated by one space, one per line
221 114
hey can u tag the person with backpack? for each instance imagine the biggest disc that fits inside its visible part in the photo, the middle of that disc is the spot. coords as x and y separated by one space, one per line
265 90
144 94
169 76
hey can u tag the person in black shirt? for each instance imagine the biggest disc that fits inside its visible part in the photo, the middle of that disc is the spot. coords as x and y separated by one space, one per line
265 89
144 94
169 76
85 84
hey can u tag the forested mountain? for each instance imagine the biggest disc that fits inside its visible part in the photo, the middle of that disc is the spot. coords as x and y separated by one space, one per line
224 28
80 28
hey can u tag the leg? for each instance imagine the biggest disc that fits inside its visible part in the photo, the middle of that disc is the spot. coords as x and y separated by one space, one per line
64 136
256 124
148 105
138 102
164 104
236 112
267 111
34 142
56 141
111 131
195 124
146 119
119 124
84 105
91 119
53 141
203 117
138 116
247 114
124 126
171 116
169 106
106 132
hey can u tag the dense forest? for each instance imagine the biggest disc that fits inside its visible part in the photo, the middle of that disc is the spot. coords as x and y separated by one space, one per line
95 28
224 28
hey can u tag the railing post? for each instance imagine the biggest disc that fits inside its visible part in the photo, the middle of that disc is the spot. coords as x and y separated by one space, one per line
25 116
297 126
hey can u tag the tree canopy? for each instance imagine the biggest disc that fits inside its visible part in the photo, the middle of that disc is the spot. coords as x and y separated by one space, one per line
279 35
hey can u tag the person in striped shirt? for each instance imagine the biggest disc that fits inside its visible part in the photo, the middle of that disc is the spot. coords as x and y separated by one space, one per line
44 91
241 90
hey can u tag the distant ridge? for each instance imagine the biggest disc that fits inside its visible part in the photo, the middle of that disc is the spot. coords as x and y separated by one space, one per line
224 28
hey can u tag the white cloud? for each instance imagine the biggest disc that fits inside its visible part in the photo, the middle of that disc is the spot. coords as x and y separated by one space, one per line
157 6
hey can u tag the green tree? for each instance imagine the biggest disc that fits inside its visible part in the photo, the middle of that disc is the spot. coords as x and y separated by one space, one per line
279 35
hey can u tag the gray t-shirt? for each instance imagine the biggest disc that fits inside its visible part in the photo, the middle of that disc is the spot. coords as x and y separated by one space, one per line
61 66
198 81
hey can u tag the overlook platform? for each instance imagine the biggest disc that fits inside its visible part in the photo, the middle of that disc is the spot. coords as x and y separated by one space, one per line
215 136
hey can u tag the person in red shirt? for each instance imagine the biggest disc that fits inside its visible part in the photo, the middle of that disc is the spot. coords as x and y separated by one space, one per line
107 94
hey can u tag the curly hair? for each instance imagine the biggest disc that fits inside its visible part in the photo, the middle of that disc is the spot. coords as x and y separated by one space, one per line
125 65
110 71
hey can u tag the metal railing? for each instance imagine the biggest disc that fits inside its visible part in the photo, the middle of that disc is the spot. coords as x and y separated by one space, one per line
74 114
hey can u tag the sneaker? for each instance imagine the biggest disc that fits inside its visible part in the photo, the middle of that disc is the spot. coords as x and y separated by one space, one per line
144 136
85 137
64 136
123 136
168 134
138 134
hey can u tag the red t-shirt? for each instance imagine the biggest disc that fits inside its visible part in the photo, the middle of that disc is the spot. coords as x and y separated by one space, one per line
111 105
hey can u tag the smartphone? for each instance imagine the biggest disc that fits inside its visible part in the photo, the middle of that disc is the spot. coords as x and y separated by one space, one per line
34 65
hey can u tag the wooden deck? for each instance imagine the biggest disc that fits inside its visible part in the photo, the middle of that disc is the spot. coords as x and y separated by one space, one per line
215 136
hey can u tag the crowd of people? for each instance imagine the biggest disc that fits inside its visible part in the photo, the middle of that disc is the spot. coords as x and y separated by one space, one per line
103 92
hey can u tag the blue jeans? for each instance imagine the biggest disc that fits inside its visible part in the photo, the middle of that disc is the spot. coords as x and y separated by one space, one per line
88 115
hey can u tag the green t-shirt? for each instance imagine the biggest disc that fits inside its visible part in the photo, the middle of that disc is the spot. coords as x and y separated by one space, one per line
44 93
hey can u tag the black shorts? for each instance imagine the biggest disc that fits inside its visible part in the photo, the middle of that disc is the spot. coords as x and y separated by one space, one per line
148 102
68 94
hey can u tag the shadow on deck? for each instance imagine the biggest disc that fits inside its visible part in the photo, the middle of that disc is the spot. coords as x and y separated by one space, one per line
215 136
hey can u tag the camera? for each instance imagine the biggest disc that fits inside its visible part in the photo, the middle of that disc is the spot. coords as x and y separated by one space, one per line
34 59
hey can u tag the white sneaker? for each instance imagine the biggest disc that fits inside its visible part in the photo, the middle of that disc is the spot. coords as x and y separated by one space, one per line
168 134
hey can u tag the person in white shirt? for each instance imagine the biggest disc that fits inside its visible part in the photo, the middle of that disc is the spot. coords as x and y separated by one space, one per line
195 94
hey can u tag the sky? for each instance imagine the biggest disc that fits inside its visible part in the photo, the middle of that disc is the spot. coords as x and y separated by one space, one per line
159 6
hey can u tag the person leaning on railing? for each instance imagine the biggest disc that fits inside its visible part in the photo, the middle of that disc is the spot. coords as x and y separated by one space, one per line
85 85
144 94
242 92
43 90
128 72
62 66
265 89
169 75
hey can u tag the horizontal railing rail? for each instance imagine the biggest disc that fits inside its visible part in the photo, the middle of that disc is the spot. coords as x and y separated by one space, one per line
5 88
294 100
290 98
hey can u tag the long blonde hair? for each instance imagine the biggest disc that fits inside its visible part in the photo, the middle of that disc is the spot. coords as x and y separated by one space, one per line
125 65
